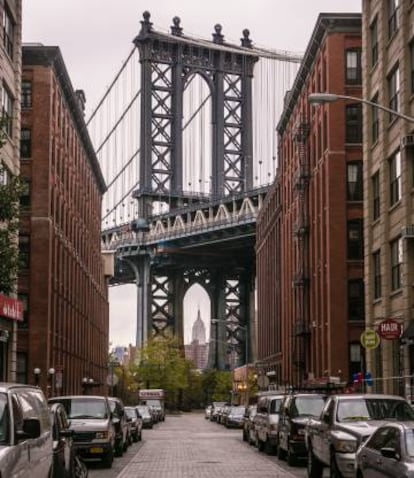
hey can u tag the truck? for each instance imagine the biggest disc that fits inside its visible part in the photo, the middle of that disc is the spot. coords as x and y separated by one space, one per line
345 422
155 398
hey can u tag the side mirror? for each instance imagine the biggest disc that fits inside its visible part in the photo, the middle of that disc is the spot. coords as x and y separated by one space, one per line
31 429
390 453
68 433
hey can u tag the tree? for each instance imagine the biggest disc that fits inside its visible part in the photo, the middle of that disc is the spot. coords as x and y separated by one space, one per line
10 192
161 364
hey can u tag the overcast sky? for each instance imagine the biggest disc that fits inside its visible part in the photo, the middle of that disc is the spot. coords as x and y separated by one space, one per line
95 37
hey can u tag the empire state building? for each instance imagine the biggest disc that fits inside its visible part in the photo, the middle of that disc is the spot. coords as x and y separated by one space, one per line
197 351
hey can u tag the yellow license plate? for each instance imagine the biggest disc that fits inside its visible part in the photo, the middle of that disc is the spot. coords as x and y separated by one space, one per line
96 450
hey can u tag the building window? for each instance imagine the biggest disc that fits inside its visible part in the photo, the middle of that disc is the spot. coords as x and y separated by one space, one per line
375 121
8 32
396 263
356 359
354 181
353 72
394 91
376 261
21 367
25 196
24 251
353 123
395 178
374 42
6 111
26 94
393 21
376 204
355 239
26 143
25 299
356 305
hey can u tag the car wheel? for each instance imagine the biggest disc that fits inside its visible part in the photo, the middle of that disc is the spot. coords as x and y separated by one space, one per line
334 470
314 466
108 459
280 452
139 436
260 445
244 435
119 450
269 448
291 456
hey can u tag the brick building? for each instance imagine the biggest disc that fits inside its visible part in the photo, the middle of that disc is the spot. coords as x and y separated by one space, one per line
10 78
310 229
62 280
388 46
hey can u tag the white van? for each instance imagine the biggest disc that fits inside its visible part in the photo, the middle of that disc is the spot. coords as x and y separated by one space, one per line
26 442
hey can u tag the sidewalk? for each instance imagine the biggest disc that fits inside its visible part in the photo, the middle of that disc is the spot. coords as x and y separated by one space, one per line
188 446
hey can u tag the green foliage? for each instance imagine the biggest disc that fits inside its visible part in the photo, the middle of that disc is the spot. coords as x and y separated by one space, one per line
162 364
224 382
9 223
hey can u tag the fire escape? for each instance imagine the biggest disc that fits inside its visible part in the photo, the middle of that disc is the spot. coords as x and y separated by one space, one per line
301 331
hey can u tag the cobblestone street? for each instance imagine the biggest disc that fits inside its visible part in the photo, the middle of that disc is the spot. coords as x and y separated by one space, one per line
188 446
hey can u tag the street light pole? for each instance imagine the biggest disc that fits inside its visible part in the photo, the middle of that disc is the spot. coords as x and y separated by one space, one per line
322 98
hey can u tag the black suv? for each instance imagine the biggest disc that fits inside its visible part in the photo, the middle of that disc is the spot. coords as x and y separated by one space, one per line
121 425
295 411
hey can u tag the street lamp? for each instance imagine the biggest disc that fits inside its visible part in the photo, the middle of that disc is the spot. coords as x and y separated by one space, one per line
50 378
322 98
36 373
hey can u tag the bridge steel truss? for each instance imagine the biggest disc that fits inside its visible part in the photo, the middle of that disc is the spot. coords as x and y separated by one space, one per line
204 240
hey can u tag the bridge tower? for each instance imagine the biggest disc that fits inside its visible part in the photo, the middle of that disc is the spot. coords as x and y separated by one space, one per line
168 62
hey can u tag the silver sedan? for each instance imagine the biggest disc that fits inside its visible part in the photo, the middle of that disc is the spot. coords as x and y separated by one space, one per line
389 452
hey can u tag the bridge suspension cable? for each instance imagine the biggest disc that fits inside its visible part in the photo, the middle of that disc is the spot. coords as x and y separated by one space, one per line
117 142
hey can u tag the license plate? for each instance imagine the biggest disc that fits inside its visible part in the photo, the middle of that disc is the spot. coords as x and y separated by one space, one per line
96 450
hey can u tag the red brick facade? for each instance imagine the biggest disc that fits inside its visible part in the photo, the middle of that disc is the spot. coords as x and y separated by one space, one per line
62 280
309 244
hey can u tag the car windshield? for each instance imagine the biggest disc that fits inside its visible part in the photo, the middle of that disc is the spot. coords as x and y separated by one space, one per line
144 412
4 419
275 405
84 408
409 441
130 412
374 409
237 411
308 406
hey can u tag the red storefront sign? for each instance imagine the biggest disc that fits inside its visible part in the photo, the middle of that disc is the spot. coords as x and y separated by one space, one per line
11 308
390 329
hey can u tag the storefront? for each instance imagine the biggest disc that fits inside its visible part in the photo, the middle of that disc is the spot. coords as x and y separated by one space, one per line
11 312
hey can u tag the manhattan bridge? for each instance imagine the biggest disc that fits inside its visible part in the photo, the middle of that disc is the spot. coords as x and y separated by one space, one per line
185 136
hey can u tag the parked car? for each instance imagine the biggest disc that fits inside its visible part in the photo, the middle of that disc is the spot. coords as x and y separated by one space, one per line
388 452
347 421
63 448
235 417
26 439
295 411
90 418
121 425
144 411
222 414
216 407
249 433
135 420
266 421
